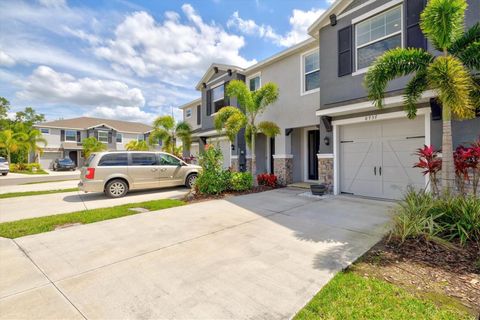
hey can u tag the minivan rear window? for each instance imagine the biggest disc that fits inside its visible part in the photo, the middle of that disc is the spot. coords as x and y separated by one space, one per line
114 159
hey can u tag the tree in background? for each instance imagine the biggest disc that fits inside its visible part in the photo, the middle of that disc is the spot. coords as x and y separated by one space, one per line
251 105
168 131
137 145
12 142
33 140
91 145
448 74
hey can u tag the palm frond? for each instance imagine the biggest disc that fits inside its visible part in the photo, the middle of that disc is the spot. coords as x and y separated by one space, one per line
471 56
470 36
231 119
393 64
442 21
268 128
413 91
453 83
264 96
238 89
184 132
164 122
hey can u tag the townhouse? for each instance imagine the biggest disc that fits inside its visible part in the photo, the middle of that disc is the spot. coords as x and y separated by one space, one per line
330 131
64 137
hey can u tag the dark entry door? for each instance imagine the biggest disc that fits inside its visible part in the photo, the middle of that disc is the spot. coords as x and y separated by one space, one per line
313 146
272 152
73 155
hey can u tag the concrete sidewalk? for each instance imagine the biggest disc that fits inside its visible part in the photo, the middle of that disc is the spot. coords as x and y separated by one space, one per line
39 186
13 179
18 208
260 256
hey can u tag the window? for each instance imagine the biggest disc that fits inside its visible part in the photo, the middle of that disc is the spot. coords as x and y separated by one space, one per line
119 138
144 159
254 83
114 159
103 136
218 95
377 35
311 71
140 137
199 115
188 112
71 135
44 130
168 160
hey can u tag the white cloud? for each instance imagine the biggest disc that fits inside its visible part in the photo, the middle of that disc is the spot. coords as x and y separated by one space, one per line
47 85
171 50
6 60
53 3
122 113
299 22
330 1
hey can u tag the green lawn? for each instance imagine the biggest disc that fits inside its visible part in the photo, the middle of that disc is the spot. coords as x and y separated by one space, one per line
34 193
351 296
26 227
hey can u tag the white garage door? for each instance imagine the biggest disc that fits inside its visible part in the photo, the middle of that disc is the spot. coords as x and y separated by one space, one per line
376 158
225 145
47 158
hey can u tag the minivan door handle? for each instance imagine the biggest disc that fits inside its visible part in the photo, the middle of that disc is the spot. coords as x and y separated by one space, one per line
375 170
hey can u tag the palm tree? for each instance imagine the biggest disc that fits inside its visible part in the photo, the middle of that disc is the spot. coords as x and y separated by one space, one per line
448 74
91 145
32 141
251 104
12 142
137 145
166 130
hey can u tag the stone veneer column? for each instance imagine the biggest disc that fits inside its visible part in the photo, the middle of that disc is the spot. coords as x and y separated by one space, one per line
283 168
234 161
325 171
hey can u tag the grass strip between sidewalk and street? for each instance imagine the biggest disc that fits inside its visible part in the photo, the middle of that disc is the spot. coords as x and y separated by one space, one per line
34 193
49 181
350 295
20 228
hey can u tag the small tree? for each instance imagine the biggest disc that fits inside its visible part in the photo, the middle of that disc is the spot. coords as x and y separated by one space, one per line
251 105
168 131
32 143
137 145
12 142
91 145
448 74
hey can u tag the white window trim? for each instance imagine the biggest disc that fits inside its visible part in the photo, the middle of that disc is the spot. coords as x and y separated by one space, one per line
99 136
253 76
380 10
75 139
221 84
121 135
303 74
186 113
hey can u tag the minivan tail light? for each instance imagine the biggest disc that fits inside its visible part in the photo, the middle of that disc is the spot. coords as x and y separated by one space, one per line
90 173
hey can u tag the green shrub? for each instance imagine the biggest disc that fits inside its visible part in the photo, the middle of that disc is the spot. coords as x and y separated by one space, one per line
448 217
241 181
19 167
212 179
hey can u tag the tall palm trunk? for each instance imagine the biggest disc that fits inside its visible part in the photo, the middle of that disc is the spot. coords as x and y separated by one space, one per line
254 160
448 171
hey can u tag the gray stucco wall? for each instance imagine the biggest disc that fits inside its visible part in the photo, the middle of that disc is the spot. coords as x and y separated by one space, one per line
297 155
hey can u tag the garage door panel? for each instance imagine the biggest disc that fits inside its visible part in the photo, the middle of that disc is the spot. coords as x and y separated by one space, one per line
47 158
403 128
360 131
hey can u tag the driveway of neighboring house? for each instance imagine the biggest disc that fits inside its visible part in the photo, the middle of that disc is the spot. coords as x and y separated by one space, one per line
13 179
18 208
260 256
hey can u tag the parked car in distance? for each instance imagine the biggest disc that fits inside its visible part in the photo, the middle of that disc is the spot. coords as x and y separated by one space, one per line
4 166
63 164
117 172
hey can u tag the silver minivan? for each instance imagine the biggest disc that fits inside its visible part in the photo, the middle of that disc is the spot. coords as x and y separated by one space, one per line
117 172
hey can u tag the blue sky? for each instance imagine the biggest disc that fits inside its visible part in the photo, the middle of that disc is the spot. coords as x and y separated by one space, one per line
134 60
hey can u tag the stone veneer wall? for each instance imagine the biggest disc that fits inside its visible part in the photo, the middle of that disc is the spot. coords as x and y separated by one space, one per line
234 164
325 173
283 169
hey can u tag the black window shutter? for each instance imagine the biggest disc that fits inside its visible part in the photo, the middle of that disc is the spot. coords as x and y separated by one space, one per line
209 102
110 136
345 54
226 99
95 134
79 137
62 135
414 35
199 115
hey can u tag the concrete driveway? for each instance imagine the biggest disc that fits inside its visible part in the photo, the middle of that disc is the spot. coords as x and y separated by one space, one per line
17 178
12 209
260 256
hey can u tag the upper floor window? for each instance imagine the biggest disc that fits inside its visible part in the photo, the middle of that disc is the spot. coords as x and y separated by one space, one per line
188 112
45 130
70 135
254 83
199 114
218 95
311 71
376 35
103 136
119 138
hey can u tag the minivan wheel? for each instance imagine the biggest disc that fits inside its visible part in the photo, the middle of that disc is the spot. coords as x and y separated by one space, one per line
116 188
190 181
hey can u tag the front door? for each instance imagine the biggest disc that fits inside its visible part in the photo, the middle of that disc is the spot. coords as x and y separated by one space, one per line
313 146
144 170
272 152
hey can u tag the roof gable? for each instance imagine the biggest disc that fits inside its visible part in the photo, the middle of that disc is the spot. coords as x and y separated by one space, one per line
85 123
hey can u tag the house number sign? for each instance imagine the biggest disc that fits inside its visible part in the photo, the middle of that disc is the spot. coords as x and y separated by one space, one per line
371 117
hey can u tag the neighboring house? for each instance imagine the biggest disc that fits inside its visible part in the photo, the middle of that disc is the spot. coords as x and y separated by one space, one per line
292 155
64 137
370 151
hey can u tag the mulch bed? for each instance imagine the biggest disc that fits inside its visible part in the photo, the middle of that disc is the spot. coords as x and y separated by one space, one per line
428 268
196 197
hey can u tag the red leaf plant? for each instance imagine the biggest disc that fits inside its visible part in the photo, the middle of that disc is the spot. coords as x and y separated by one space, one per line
269 180
431 163
467 166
